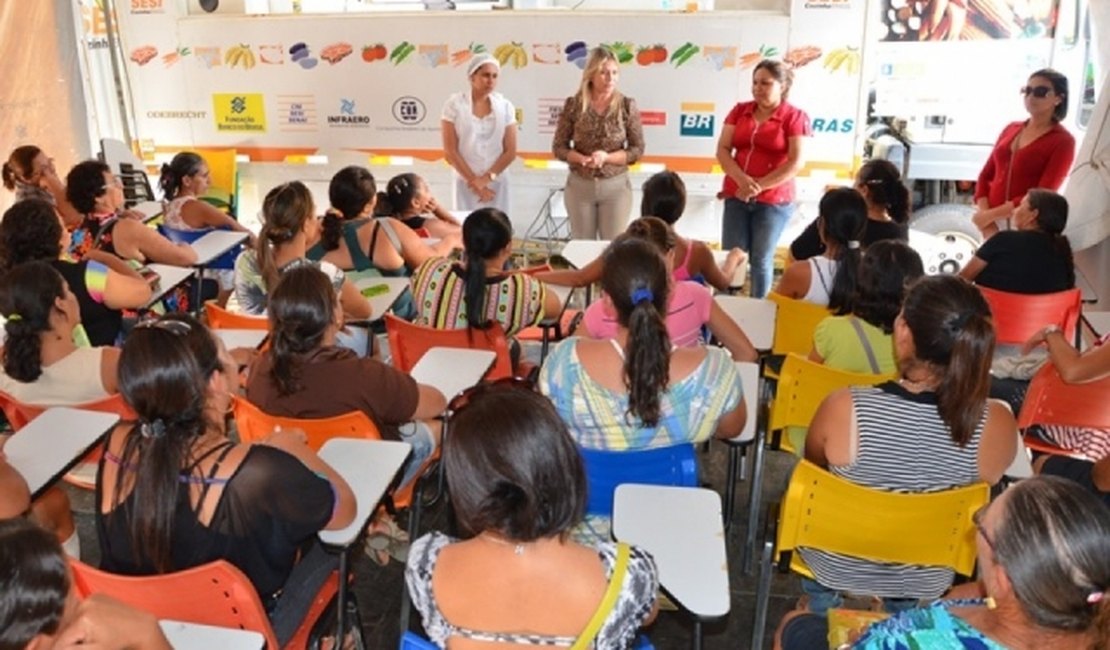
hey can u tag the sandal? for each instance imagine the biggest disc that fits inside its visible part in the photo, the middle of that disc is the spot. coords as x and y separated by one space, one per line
385 540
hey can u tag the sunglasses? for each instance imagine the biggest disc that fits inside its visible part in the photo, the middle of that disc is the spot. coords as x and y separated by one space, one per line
464 399
1040 92
977 519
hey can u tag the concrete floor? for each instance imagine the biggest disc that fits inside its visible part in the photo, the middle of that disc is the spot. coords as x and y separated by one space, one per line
379 588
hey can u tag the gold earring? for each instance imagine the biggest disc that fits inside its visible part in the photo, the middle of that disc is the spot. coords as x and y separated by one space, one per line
990 602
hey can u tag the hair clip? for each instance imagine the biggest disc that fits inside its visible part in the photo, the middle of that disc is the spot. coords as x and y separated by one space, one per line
643 294
1095 597
153 429
14 317
853 244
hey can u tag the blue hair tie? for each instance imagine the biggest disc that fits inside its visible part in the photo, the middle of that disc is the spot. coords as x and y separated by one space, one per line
643 294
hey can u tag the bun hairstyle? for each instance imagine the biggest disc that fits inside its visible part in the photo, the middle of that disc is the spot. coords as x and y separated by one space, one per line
486 232
20 165
351 190
953 334
1053 542
885 188
1052 218
636 281
1059 87
183 164
842 217
285 210
664 197
85 183
398 196
887 267
164 373
27 295
36 582
29 231
513 468
654 231
301 308
781 72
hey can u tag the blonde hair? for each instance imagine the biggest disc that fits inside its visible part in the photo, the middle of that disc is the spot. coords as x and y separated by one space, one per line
598 57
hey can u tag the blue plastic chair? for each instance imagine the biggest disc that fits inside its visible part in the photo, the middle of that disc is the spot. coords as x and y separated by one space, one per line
225 261
605 470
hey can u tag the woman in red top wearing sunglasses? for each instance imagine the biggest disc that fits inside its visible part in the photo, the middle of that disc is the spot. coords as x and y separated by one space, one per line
1036 152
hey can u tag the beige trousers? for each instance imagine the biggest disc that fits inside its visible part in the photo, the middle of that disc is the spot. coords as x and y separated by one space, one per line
598 208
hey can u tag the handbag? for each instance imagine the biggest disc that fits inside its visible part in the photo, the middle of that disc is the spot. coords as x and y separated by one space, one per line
608 601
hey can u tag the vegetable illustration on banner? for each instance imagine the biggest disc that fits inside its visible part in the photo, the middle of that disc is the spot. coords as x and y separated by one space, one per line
576 53
683 54
511 53
239 56
376 52
461 57
401 52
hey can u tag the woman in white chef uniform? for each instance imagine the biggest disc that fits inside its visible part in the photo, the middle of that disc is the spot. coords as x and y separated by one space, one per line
479 138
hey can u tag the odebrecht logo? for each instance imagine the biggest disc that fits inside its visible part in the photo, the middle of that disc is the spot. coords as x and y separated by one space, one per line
409 110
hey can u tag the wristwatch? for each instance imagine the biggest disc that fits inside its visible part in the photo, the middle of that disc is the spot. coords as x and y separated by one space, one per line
492 175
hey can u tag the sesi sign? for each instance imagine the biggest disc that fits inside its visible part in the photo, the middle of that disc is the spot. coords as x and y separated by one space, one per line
147 6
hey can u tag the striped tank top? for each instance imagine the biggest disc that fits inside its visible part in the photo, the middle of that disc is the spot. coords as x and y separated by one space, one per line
904 446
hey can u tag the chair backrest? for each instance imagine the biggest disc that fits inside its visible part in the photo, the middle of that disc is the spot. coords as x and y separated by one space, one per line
795 322
826 512
223 170
130 170
254 425
749 384
19 413
408 342
1018 316
1051 401
803 385
225 261
220 319
605 470
211 594
413 641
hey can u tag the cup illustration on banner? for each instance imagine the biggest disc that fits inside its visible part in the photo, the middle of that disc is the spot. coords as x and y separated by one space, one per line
433 55
576 53
511 53
376 52
462 57
547 53
651 55
302 56
401 52
208 55
239 56
336 52
144 54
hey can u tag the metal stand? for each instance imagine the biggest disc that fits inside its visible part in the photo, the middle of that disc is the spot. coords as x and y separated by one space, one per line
548 227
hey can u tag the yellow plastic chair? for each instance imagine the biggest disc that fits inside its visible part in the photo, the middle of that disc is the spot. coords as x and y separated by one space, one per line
826 512
223 172
795 323
802 386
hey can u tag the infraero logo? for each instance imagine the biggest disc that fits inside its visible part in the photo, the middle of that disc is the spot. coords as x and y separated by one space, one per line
348 115
409 110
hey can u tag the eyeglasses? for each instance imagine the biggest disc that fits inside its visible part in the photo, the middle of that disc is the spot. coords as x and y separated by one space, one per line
463 399
977 519
1040 92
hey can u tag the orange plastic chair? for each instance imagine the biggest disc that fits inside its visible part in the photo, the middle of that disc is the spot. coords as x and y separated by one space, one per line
1018 316
83 475
222 319
254 425
216 594
1050 400
408 342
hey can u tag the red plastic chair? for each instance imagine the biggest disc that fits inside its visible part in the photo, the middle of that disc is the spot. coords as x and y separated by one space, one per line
1018 316
211 594
1050 400
222 319
408 342
83 475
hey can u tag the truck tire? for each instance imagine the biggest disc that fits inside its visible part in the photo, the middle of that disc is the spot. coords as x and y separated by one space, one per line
957 236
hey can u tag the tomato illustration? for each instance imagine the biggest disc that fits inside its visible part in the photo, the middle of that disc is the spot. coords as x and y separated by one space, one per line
645 56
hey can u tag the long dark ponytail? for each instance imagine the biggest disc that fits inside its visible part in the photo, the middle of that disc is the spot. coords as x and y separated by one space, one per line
27 296
301 308
164 370
952 332
843 216
1052 218
885 188
486 232
350 191
635 280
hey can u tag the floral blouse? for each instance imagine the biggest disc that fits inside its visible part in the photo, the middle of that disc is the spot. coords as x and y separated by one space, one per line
586 132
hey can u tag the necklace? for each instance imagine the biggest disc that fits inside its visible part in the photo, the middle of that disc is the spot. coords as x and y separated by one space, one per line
917 386
518 547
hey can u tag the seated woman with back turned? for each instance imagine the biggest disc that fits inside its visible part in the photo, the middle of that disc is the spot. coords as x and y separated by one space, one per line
173 492
934 429
518 487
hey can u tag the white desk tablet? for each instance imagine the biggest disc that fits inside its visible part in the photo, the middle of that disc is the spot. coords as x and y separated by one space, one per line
55 440
452 370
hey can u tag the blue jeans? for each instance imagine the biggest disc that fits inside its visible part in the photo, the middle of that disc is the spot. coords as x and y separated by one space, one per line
822 599
755 227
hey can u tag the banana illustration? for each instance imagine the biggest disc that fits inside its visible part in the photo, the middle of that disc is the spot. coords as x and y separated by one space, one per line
240 55
511 53
845 58
503 53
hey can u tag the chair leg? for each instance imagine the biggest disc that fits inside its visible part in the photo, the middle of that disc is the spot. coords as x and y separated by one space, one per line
341 598
762 595
730 484
696 644
414 526
754 494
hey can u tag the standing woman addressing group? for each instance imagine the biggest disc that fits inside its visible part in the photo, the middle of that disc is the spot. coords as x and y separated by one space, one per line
479 138
760 151
599 135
